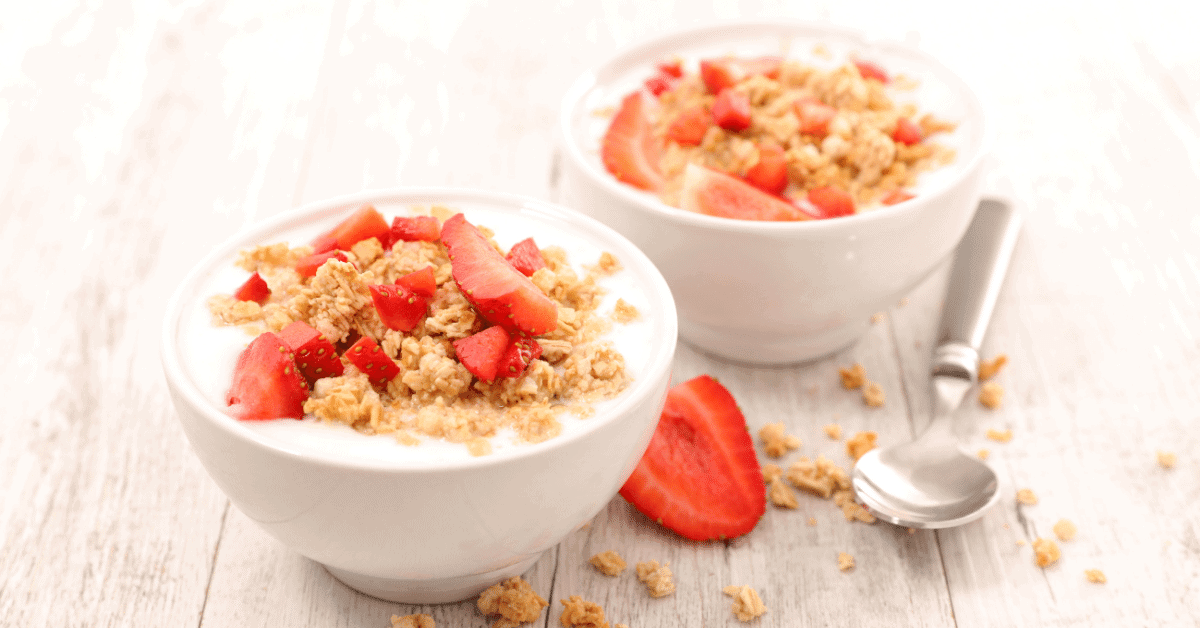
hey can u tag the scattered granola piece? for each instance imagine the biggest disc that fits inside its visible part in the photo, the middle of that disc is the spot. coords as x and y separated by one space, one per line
833 430
780 495
413 621
1000 436
877 318
582 613
1095 575
983 454
1064 530
991 394
657 578
746 603
770 472
776 441
514 601
1026 496
1166 459
812 521
988 369
860 443
872 394
853 377
479 446
912 531
845 561
623 312
1045 552
852 511
608 563
1020 542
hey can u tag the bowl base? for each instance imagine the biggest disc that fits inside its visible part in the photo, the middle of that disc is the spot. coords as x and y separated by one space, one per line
439 591
770 349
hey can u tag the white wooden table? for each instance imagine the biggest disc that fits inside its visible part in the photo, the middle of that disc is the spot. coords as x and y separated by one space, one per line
136 135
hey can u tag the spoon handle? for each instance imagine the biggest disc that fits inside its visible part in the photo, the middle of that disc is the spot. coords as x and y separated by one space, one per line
978 272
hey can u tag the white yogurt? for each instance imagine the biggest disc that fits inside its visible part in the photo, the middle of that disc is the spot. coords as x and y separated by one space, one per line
210 352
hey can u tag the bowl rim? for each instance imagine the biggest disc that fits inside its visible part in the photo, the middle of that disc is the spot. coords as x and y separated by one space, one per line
639 52
657 366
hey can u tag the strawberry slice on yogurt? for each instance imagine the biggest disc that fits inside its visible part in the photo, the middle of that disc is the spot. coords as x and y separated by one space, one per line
629 149
707 191
266 383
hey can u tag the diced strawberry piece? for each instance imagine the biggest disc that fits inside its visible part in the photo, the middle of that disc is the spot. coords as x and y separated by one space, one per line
896 196
307 266
365 222
414 228
672 68
630 150
719 74
690 126
907 132
498 291
266 382
399 308
520 352
255 289
700 477
870 70
831 202
731 110
770 174
718 194
370 359
481 352
660 83
526 257
421 282
315 356
814 116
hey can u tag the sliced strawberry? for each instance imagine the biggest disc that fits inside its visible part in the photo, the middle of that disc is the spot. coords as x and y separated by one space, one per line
630 150
770 174
831 202
481 352
690 126
814 116
719 74
420 282
307 266
672 68
896 196
907 132
399 308
365 222
520 352
718 194
255 289
660 83
526 257
314 354
370 359
700 477
414 228
266 382
731 110
870 70
499 291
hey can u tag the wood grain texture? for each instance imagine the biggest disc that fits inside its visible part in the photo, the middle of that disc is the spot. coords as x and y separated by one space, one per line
134 136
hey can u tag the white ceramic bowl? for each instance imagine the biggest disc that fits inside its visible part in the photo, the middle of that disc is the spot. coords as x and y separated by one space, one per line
779 292
410 530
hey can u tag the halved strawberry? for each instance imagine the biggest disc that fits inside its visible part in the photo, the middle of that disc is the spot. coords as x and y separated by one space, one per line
315 356
814 115
421 282
718 194
365 222
370 359
399 308
770 173
719 74
630 150
896 196
520 352
266 382
499 291
907 132
731 110
414 228
307 266
700 477
526 257
255 289
831 202
481 352
690 126
870 70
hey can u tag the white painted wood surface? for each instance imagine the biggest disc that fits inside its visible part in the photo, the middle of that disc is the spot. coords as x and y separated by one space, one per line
136 135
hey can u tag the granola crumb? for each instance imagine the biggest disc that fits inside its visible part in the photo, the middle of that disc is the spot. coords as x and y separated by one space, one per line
812 521
1046 552
821 51
1095 576
780 495
872 394
770 472
1020 542
845 561
582 613
983 454
513 600
912 531
413 621
1166 459
746 602
1065 530
991 395
853 377
833 430
657 578
860 443
776 441
624 312
877 318
853 511
608 563
1000 436
1026 496
819 477
479 447
989 368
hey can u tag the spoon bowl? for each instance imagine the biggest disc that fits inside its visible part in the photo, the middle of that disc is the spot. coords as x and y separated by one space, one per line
939 489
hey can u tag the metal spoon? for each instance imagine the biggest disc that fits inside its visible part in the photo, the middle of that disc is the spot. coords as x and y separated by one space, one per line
930 482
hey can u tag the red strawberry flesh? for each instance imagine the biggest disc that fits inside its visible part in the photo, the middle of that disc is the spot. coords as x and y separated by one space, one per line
718 194
520 352
365 222
315 356
307 266
255 289
630 150
481 352
421 282
266 383
526 257
399 308
370 359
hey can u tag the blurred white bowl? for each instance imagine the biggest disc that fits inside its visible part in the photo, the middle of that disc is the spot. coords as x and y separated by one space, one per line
779 292
408 530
